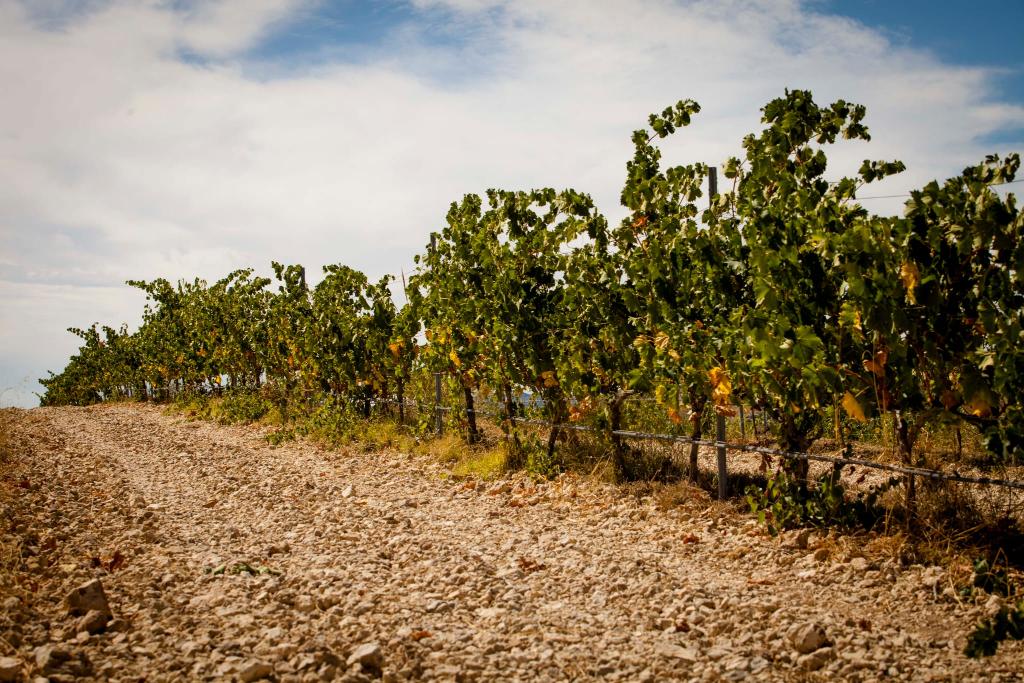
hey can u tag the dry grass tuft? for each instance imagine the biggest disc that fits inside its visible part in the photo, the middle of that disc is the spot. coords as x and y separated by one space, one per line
484 463
679 494
385 435
446 449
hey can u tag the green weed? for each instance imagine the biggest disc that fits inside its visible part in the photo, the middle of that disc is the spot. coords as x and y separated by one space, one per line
785 503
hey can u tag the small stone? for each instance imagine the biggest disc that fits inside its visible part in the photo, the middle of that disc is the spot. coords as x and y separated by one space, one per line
994 604
797 539
10 669
438 606
305 604
758 664
932 577
50 657
676 652
815 660
87 597
807 638
716 653
859 564
369 656
93 622
255 671
499 488
347 492
117 626
821 554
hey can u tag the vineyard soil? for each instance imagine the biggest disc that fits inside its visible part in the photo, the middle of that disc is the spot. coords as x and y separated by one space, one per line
225 558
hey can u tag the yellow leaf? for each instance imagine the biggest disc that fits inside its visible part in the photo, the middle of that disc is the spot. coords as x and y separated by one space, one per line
659 393
852 407
674 355
454 357
549 379
721 393
395 349
673 415
661 341
911 277
721 386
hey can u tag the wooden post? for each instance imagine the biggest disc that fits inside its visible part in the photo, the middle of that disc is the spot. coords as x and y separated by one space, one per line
723 475
743 424
438 417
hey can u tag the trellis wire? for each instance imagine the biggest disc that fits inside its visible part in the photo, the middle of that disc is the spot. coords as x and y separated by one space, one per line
934 475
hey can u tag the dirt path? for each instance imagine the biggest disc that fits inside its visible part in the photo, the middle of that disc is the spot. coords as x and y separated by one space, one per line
439 580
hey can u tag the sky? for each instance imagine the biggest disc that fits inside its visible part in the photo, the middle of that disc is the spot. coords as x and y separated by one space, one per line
187 138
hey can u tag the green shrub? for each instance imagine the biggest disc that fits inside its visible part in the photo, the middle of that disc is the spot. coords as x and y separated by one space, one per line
1007 624
242 407
785 503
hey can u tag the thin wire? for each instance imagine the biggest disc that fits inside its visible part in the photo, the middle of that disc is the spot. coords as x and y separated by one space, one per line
895 196
762 450
882 196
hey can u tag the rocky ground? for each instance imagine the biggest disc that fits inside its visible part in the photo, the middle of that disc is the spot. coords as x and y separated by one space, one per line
142 546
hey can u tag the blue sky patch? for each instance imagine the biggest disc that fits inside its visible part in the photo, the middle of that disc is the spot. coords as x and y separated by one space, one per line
353 32
970 34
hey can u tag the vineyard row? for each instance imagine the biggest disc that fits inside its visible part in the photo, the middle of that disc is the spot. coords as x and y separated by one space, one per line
780 291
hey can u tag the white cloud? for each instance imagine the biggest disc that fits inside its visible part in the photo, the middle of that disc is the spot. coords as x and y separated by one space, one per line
224 27
120 160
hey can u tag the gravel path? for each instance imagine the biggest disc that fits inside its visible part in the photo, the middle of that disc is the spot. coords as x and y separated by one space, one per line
224 558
